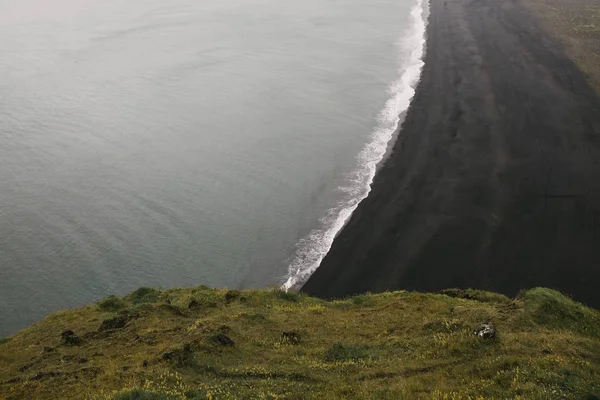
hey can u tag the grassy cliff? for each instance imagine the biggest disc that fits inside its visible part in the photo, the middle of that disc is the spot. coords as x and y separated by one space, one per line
203 343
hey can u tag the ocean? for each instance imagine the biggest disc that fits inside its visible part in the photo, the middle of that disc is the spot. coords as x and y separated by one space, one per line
180 143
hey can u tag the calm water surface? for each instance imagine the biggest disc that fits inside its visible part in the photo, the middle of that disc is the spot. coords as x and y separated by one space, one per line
155 143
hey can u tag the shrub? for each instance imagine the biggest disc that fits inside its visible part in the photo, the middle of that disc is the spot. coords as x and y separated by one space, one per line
111 304
143 295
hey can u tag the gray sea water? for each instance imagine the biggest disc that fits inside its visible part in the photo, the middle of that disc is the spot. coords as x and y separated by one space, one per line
155 143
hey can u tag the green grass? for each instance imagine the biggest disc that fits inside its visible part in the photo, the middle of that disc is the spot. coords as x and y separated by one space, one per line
143 295
479 295
551 309
155 344
111 304
140 394
347 352
364 300
287 296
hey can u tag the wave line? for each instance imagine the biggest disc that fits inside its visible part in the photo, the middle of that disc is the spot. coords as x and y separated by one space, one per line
312 249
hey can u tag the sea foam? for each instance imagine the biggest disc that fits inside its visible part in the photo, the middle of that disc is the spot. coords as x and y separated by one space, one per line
312 249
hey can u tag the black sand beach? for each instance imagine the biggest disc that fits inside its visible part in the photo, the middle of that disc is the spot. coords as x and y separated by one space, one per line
494 181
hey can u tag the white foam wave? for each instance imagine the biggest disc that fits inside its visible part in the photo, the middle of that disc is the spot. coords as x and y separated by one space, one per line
312 249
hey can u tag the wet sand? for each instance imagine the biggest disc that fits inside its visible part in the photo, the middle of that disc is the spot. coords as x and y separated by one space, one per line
494 181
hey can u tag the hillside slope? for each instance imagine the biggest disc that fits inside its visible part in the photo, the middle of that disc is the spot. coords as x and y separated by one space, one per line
202 343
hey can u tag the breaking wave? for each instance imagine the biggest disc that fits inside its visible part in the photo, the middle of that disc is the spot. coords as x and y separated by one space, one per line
312 249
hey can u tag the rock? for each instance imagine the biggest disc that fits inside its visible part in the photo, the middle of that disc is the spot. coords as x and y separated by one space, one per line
69 338
224 340
291 337
485 331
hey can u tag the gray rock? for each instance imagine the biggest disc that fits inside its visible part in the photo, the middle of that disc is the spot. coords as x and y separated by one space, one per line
485 331
224 340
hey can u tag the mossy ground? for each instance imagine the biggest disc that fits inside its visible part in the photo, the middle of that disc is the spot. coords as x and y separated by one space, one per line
170 345
576 23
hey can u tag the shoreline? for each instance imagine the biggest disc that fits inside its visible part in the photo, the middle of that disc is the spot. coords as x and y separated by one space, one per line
494 180
312 248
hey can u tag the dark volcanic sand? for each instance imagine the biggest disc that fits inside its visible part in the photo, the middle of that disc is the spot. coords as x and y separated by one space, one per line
494 181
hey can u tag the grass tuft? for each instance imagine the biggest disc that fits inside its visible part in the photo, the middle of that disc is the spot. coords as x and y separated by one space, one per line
340 352
111 304
287 295
364 300
554 310
141 394
477 295
143 295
